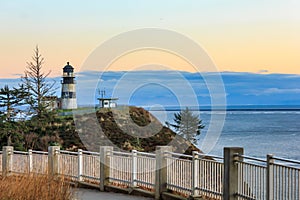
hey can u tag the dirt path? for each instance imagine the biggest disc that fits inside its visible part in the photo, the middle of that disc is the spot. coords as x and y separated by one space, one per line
86 194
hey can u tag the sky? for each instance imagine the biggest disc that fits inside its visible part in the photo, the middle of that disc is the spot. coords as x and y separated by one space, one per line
257 36
172 88
154 88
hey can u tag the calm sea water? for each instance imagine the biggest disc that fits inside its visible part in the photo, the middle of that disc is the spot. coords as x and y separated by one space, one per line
258 132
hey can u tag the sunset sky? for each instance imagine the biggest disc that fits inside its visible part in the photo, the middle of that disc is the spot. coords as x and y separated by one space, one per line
260 36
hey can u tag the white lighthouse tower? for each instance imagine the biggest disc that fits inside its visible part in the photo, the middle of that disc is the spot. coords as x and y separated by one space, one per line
68 89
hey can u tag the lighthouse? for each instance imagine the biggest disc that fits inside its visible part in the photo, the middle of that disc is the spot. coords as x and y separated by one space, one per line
68 89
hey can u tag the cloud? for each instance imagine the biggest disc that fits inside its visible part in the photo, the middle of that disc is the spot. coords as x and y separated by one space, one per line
262 71
280 91
166 87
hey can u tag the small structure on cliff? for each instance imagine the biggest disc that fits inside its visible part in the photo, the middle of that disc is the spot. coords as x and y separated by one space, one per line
107 102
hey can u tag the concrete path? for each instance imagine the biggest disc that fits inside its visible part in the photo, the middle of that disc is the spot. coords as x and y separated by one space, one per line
87 194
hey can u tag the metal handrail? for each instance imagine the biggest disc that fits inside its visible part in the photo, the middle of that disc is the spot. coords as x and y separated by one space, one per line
178 154
21 152
91 153
121 153
68 152
209 155
146 154
250 158
39 152
286 160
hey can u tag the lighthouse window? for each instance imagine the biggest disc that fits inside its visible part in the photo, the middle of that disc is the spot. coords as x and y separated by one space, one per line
68 95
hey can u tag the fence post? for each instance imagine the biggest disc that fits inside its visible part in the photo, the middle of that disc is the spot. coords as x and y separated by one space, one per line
80 165
134 168
195 174
7 160
230 184
161 170
53 160
30 161
270 176
105 154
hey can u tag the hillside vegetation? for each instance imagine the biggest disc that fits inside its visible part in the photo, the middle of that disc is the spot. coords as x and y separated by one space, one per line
128 128
125 128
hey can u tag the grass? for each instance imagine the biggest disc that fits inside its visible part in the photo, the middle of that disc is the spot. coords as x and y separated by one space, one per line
30 187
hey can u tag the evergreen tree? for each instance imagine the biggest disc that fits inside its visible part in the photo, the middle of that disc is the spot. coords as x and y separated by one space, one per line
37 85
9 100
187 125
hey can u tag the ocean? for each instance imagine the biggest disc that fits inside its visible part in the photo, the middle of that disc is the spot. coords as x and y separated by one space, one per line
259 132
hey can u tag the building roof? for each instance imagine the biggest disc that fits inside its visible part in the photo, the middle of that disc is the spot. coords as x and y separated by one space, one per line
68 68
111 99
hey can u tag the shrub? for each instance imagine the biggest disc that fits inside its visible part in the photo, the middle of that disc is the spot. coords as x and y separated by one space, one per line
31 187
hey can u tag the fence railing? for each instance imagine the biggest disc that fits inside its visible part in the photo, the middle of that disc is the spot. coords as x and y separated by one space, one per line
38 162
208 175
120 168
179 173
89 163
68 164
235 176
252 183
283 178
144 170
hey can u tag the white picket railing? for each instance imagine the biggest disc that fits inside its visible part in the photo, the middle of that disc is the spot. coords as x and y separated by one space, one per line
20 162
252 183
186 175
260 179
68 164
208 175
144 172
284 178
90 167
120 168
38 162
179 173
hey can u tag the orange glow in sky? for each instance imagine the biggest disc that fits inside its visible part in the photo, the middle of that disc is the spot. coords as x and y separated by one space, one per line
242 36
149 59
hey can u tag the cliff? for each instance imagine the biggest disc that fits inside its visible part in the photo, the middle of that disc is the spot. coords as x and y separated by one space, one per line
125 128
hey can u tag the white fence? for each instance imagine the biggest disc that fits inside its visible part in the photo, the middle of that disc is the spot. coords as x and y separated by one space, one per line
28 162
90 165
284 180
186 175
273 178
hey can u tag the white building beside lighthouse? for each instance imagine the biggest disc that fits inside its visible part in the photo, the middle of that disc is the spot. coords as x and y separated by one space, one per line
68 89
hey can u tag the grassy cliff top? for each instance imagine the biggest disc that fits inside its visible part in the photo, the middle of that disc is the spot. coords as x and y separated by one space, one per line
126 128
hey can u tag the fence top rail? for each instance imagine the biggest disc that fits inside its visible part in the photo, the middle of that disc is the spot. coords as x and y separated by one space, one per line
68 152
40 152
91 153
120 153
250 158
146 154
286 160
178 154
208 155
21 152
